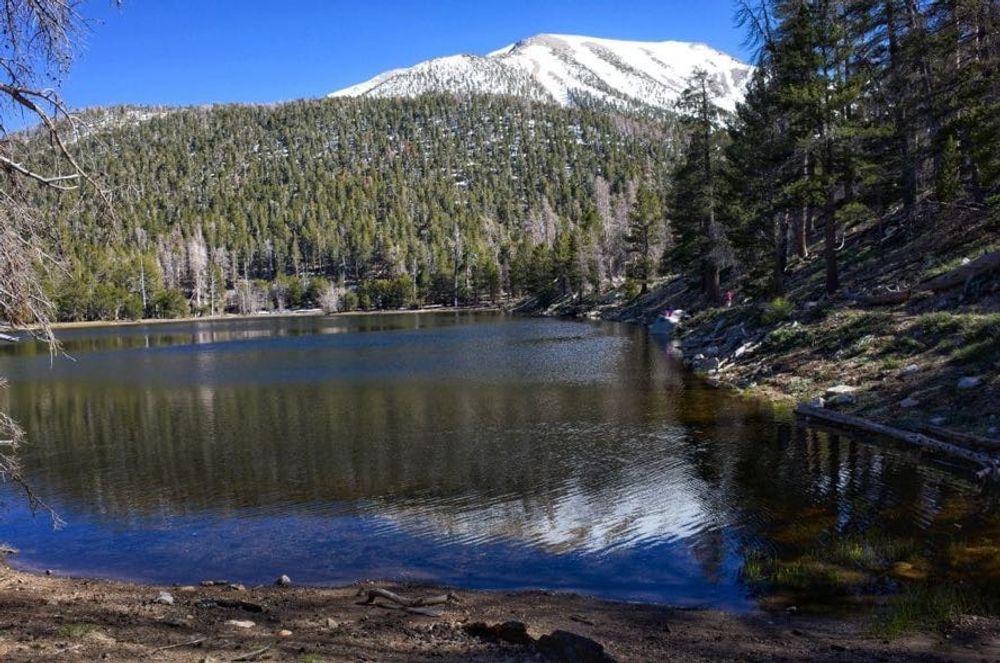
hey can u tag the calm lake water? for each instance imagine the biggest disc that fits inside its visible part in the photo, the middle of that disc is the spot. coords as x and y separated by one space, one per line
472 449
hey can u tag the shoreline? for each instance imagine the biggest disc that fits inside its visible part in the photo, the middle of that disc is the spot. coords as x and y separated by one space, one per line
80 619
236 317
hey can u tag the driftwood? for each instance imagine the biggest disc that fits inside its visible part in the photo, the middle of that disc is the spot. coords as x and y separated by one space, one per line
417 606
254 654
419 602
8 338
189 643
989 463
959 437
960 275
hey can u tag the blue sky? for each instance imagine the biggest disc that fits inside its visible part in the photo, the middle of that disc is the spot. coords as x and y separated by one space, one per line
202 51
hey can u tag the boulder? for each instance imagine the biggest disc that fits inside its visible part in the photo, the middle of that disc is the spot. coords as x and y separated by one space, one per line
969 382
569 647
165 598
283 581
512 632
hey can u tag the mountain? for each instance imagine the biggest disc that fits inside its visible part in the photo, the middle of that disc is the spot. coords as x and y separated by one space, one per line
569 70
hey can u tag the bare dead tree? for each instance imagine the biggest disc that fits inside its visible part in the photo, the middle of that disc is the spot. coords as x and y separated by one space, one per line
37 39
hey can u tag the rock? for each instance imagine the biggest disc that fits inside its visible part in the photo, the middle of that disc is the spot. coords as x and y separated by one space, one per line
237 587
571 648
938 421
841 399
332 623
187 589
240 623
706 364
283 581
969 382
841 394
909 402
284 633
165 598
817 402
513 632
910 368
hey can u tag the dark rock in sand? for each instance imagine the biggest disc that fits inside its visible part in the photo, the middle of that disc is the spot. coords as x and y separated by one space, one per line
512 632
566 646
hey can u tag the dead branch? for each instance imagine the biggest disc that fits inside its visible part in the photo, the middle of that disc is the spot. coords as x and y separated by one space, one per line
189 643
420 602
962 438
254 654
886 298
988 462
958 276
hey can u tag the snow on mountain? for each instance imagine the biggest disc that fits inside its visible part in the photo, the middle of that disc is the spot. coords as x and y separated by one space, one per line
570 70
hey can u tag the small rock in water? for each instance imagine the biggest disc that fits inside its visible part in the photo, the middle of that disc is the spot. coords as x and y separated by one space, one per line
817 402
911 368
283 581
969 382
909 402
48 572
937 421
165 598
240 623
284 633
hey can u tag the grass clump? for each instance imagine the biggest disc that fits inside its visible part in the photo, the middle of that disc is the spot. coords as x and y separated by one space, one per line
77 630
786 338
778 309
931 606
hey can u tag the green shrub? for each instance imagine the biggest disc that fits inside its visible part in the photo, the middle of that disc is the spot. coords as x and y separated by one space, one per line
777 310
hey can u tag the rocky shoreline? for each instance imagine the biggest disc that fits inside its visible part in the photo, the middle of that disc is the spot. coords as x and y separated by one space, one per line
43 618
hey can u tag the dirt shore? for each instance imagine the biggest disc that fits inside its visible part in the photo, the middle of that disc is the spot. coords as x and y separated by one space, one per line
47 618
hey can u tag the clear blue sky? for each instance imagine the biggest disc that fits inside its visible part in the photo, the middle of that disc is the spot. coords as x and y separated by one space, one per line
201 51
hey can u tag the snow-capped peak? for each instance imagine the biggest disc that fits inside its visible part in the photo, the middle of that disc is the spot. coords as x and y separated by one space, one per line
570 70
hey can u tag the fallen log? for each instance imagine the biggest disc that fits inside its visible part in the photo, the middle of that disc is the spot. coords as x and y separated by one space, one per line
959 437
886 298
960 275
419 602
990 464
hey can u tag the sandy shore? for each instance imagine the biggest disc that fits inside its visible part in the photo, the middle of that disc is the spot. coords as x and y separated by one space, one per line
47 618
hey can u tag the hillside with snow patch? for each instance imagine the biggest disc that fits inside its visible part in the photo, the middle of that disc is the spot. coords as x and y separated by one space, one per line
571 71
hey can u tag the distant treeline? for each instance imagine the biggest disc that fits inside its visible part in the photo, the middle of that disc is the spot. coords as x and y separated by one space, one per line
351 203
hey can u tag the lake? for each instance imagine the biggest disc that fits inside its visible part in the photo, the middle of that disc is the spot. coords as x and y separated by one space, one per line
471 449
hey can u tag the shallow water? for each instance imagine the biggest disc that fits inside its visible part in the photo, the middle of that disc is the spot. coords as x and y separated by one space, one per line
477 450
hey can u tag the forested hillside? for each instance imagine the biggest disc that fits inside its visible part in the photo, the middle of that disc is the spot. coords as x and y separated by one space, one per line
350 203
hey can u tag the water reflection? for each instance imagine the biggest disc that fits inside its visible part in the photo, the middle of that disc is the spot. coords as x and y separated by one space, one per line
471 449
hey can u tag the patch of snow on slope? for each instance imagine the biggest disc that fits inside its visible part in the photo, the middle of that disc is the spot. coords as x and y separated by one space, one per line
567 68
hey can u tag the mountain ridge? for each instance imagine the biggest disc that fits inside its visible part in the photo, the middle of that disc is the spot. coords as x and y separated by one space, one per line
570 70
